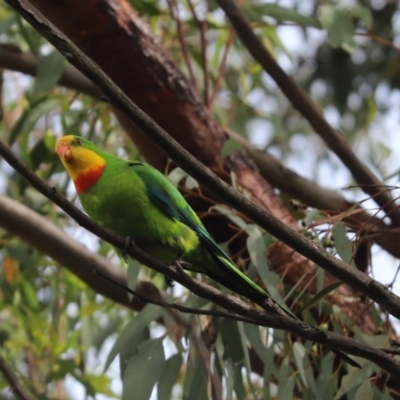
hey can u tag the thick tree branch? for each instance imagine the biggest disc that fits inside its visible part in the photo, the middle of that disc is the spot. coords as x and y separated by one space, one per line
11 57
360 281
123 47
313 195
272 319
300 100
277 174
46 237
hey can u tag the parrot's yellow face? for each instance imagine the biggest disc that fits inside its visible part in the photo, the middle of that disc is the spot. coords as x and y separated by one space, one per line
83 164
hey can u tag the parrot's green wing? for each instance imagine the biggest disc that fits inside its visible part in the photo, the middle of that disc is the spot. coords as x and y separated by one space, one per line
162 192
168 198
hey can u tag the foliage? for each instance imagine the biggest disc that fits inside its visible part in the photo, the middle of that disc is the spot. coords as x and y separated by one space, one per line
62 338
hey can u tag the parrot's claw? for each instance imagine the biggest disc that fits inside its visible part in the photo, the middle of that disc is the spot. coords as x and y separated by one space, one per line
128 243
169 281
180 265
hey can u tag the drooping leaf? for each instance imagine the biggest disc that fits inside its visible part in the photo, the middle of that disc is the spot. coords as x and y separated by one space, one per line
143 370
365 391
320 295
299 353
49 71
133 333
343 244
168 377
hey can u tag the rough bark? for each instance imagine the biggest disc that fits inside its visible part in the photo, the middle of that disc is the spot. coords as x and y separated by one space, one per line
118 40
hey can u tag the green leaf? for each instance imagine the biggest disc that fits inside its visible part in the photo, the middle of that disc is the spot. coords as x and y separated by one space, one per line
354 378
49 71
361 12
105 331
339 26
133 273
195 386
299 353
133 334
143 370
30 294
257 12
253 336
176 175
232 339
41 154
229 147
320 295
169 377
231 214
238 385
365 391
285 389
6 24
343 244
29 118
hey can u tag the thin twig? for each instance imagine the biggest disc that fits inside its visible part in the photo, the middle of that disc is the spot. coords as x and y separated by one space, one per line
175 306
16 387
302 102
185 51
222 67
202 24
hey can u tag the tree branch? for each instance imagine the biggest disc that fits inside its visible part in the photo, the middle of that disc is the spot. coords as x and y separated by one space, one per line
269 318
277 174
312 194
11 57
46 237
16 386
360 281
300 100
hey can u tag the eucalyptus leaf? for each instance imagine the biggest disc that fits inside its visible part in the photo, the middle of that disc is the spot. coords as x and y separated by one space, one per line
132 334
144 370
169 377
257 12
49 71
299 353
320 295
365 391
343 244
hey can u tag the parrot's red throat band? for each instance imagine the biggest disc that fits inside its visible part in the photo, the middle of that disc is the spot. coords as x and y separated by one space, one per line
87 179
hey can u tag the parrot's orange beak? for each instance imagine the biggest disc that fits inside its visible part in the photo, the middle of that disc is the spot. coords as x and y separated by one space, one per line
63 149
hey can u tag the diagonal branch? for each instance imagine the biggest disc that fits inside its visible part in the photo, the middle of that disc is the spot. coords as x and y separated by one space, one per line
276 173
271 319
46 237
342 271
16 386
11 57
300 100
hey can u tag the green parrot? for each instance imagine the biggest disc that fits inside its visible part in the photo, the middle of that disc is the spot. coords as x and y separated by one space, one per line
137 201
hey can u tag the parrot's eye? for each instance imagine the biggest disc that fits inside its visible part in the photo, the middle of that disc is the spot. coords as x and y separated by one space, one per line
78 142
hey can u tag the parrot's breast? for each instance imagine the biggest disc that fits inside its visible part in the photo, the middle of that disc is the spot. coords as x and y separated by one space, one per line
119 201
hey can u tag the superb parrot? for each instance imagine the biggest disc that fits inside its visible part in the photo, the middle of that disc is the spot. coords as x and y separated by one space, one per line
137 201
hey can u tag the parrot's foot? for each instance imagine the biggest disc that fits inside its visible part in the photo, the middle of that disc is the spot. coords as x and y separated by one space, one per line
169 281
180 265
128 243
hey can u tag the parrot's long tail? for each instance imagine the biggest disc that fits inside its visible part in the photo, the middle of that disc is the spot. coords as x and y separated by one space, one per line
233 278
